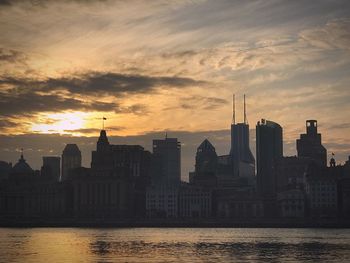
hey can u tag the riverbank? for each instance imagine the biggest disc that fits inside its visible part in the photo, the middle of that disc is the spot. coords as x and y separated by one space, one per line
243 223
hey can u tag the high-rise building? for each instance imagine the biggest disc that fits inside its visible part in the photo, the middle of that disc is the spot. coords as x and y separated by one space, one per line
71 158
243 161
51 167
269 149
206 165
206 158
167 153
310 145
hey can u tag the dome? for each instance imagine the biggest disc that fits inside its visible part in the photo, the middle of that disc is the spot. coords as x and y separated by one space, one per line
21 167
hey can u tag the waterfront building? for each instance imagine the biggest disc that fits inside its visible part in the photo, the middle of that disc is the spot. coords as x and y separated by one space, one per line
51 167
195 201
269 149
310 144
291 203
162 201
167 155
71 158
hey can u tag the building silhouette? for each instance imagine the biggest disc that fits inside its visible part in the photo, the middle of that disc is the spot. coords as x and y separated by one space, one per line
115 185
167 155
51 167
242 158
269 149
205 173
310 144
71 158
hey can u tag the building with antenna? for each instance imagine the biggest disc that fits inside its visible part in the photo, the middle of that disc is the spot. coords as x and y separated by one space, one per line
243 161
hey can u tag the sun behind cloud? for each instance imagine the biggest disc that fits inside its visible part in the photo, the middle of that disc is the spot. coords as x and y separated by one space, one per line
63 123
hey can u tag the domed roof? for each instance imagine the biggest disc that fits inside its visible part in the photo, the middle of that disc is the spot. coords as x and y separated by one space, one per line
21 167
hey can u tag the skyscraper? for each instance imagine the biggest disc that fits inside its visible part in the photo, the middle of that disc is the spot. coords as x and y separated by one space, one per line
310 145
242 158
269 148
71 158
168 156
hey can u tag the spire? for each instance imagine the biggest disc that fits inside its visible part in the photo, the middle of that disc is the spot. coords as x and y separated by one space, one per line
103 122
233 110
21 154
245 111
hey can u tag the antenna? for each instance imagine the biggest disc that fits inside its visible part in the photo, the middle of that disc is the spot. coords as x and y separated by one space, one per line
233 109
245 111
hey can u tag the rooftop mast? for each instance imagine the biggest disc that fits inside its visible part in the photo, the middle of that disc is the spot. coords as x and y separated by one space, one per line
233 110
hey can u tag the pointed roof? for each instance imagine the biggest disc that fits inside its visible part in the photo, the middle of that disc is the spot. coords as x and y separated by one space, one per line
206 146
102 140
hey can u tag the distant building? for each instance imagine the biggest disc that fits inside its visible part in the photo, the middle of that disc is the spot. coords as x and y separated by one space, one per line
206 165
167 154
290 171
242 158
321 188
51 167
195 201
27 194
115 186
162 201
310 144
269 149
291 203
237 203
71 158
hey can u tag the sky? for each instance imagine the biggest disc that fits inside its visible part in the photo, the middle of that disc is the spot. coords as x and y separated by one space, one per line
152 67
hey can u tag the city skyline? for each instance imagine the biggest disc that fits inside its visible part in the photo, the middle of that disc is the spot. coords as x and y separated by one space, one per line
162 66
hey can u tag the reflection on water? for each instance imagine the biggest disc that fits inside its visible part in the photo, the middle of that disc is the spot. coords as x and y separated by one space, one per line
174 245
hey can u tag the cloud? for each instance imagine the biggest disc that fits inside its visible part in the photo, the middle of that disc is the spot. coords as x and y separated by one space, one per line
345 125
334 35
198 102
89 131
29 103
27 96
11 55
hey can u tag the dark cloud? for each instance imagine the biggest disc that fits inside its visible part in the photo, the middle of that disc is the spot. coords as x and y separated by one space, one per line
94 130
97 83
29 103
27 96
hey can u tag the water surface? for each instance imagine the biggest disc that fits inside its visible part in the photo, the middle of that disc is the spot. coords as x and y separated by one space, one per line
174 245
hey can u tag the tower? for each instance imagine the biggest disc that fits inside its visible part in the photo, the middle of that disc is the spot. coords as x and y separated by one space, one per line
269 148
310 144
71 158
242 158
167 153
